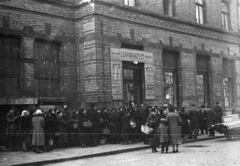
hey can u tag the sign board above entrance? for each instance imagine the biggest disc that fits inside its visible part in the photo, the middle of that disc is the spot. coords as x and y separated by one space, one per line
121 54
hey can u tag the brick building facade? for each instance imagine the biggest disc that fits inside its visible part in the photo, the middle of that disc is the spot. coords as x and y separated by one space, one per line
82 52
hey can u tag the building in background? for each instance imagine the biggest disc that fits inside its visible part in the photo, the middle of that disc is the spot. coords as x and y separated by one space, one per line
113 52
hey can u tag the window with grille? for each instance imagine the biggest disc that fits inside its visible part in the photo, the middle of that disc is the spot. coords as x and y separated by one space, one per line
199 11
9 66
225 16
47 68
129 3
169 7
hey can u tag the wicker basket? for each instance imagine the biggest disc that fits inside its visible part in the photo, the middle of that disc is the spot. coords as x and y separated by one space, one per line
146 129
105 131
87 124
102 141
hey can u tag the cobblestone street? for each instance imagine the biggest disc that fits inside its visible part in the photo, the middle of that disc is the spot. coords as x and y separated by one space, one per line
219 152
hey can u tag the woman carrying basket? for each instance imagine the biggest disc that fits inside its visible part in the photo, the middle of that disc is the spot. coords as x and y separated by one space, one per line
153 122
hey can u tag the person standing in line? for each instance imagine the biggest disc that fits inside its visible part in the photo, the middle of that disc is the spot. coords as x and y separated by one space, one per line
93 117
38 139
163 135
185 128
126 127
174 121
153 122
218 113
193 117
12 127
25 128
210 121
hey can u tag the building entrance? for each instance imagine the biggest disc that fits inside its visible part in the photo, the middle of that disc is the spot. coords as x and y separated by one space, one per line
132 82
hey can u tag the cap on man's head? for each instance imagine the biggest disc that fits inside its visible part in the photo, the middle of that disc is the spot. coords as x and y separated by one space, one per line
193 105
217 102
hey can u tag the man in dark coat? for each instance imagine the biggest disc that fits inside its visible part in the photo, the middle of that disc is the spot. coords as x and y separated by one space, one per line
68 119
12 127
185 128
193 117
93 117
211 121
218 113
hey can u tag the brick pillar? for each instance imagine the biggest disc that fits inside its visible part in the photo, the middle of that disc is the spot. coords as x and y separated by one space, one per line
216 81
187 79
28 68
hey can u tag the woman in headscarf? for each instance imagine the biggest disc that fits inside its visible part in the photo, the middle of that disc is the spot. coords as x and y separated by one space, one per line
153 122
25 128
174 122
38 139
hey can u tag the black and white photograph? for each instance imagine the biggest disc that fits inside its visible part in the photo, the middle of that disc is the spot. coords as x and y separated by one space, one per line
119 82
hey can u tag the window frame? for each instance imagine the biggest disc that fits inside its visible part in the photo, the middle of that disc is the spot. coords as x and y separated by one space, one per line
169 8
200 11
12 88
47 75
131 3
225 15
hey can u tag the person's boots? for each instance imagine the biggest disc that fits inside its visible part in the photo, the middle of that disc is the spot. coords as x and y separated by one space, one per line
24 146
153 150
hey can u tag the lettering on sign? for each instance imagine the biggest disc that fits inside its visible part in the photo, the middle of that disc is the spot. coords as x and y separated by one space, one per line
149 82
116 72
131 55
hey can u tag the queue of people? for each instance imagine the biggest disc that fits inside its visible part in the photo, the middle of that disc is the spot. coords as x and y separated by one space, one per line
64 127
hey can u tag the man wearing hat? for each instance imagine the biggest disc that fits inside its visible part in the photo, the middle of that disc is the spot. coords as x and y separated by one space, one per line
218 112
193 117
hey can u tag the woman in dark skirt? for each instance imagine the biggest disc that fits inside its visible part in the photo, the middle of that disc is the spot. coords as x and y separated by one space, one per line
25 129
126 126
153 122
83 135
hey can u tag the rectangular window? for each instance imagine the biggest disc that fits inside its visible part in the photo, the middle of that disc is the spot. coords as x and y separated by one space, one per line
203 80
228 66
46 68
169 7
129 3
225 16
9 66
170 73
199 11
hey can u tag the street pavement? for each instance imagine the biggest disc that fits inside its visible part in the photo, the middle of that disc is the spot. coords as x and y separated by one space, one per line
66 154
217 152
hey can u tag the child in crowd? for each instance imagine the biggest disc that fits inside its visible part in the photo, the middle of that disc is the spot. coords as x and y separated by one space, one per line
163 135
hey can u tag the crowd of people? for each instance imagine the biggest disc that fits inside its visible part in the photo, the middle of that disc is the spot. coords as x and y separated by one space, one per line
64 127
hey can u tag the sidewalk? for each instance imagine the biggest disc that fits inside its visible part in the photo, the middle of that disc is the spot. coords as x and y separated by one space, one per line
60 155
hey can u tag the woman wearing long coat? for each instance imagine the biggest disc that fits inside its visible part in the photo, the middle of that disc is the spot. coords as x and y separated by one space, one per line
126 126
153 122
174 121
115 126
83 135
38 131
